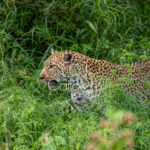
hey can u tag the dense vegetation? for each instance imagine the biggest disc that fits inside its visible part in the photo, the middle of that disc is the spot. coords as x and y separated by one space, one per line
113 30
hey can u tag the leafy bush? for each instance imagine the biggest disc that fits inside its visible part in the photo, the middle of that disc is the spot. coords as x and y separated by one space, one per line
109 136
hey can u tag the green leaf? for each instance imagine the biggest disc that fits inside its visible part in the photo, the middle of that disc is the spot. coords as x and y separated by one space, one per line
143 57
53 142
35 144
91 25
114 71
90 74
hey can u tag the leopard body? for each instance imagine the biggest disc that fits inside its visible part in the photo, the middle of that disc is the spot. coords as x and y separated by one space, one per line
85 73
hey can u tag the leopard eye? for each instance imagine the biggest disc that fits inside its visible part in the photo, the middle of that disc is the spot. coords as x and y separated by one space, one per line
51 66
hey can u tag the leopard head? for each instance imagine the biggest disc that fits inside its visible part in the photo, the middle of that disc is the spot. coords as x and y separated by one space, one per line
56 67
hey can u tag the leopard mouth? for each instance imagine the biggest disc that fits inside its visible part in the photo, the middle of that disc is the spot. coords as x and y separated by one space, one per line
52 83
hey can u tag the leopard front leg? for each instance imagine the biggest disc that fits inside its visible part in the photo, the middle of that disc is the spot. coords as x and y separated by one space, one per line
82 99
79 99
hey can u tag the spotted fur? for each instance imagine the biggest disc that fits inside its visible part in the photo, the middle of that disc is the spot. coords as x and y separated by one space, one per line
84 73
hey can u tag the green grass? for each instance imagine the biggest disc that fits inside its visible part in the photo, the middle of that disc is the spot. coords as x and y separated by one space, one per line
101 29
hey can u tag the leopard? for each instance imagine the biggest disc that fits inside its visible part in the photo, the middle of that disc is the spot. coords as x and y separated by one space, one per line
86 76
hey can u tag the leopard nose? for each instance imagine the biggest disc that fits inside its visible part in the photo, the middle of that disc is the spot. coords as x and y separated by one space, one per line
42 78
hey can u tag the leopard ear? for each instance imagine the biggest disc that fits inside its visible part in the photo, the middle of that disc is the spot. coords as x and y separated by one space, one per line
67 57
53 51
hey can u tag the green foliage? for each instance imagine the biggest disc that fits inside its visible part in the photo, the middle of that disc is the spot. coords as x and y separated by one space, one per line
109 136
53 143
101 29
